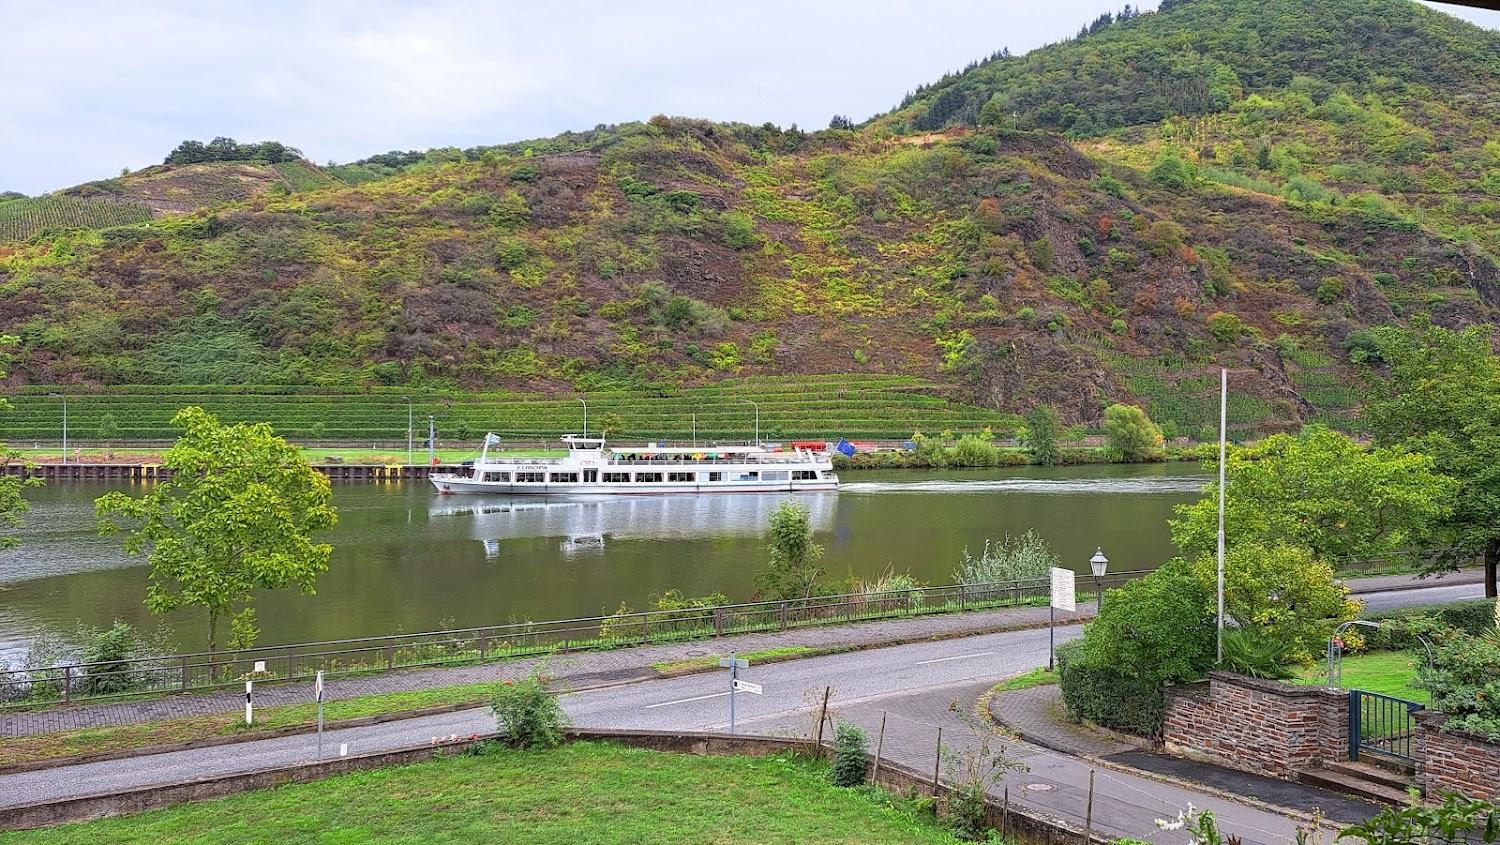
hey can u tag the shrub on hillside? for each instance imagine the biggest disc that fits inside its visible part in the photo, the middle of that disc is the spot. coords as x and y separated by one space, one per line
849 763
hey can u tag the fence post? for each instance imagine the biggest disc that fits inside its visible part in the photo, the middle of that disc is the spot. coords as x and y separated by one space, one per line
646 628
291 662
483 641
390 655
67 682
718 622
783 616
184 671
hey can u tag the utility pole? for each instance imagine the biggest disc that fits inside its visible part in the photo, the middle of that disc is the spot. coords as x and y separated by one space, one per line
408 429
1223 417
431 441
65 429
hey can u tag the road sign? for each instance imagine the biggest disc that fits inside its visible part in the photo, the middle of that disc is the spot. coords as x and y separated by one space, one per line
249 702
746 686
1063 597
732 662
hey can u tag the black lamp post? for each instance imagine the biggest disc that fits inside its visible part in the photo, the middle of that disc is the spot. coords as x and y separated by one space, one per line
1099 564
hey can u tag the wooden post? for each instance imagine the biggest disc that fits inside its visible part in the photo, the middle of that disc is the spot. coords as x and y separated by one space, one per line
1005 814
879 746
937 761
822 715
1088 813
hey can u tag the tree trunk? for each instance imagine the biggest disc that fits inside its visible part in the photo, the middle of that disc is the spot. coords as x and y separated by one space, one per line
1491 564
213 624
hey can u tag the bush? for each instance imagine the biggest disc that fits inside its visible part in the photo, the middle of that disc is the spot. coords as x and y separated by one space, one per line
1132 435
107 652
1107 697
1465 683
1282 595
1457 819
1399 627
849 763
1026 557
527 714
1158 628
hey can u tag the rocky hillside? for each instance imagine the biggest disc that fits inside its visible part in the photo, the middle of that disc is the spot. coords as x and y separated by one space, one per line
1225 182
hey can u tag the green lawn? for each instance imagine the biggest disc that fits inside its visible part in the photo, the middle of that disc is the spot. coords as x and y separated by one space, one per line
1027 680
1386 672
585 792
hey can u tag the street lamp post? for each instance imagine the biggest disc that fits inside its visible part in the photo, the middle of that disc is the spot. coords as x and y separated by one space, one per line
1099 564
408 429
757 418
65 426
431 441
585 416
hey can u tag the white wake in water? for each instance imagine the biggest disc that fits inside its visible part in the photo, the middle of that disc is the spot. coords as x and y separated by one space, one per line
1161 484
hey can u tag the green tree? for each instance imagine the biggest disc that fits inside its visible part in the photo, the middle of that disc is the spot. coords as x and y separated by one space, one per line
1158 629
611 425
991 114
1041 435
1441 397
1132 434
236 516
1322 491
1281 592
109 429
12 503
793 571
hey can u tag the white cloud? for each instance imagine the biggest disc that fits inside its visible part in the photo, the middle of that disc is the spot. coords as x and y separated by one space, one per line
93 86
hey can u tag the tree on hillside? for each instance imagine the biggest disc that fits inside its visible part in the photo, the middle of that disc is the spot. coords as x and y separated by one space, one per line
1132 434
840 122
236 516
1041 435
1440 396
12 504
1322 491
793 570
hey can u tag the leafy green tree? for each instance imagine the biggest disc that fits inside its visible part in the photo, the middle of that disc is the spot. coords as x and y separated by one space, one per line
12 503
1441 397
109 429
1158 629
611 425
1041 435
793 571
1282 593
1324 492
1132 434
236 516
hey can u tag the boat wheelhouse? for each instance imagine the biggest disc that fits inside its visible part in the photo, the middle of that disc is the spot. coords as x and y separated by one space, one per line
592 468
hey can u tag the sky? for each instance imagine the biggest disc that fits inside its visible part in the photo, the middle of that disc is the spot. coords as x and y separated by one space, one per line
92 87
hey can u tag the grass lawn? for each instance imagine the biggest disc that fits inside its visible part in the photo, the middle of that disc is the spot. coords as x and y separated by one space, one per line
1386 672
584 792
94 740
1027 680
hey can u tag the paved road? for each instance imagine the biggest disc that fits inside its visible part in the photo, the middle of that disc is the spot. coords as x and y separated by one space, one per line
1425 595
912 684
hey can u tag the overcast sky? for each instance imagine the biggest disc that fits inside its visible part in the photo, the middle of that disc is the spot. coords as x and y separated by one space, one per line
91 87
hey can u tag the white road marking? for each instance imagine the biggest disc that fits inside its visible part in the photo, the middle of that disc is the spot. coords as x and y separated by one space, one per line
959 657
685 700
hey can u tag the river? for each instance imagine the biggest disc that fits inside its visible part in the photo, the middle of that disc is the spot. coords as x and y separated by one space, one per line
406 559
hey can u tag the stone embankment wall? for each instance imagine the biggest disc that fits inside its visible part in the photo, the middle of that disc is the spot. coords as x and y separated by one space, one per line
1260 726
1452 761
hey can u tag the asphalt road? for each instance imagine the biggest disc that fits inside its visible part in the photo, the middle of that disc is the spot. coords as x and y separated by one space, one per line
912 685
1426 595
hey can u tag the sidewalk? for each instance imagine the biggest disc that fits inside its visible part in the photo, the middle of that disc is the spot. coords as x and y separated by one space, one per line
1037 716
576 670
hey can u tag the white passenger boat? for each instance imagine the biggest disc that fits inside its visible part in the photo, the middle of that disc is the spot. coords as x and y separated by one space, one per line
592 468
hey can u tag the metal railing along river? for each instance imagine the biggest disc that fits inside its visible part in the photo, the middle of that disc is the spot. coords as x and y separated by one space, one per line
30 687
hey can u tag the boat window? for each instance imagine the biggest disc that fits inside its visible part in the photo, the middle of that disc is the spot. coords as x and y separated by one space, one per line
747 476
647 477
531 476
716 476
774 475
804 475
616 477
564 478
688 477
497 476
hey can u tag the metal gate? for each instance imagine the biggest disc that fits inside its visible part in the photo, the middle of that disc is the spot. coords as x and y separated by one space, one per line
1382 725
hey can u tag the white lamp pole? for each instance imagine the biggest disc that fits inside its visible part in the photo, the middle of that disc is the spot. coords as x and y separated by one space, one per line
1223 416
585 416
408 429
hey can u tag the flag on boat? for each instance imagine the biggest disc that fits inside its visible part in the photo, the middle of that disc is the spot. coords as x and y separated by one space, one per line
844 448
490 439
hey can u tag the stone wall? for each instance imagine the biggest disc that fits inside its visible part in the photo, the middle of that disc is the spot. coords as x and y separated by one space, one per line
1266 727
1453 761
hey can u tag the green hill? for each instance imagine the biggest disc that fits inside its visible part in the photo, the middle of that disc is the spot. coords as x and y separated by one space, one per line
1225 183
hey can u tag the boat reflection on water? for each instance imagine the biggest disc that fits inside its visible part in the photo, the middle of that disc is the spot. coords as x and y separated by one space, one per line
585 525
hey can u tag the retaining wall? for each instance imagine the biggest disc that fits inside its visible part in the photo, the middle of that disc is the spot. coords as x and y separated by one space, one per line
1265 727
1454 761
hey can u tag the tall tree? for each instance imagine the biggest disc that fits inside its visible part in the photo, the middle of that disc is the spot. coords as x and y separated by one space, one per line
1041 435
1132 434
1440 396
1323 492
793 570
236 516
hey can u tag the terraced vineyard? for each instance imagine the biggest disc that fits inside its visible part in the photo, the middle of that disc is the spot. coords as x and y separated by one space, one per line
816 407
22 218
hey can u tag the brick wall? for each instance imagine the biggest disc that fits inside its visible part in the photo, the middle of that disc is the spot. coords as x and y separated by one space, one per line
1452 761
1266 727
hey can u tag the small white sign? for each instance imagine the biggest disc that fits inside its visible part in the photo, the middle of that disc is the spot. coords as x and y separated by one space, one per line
746 686
1063 597
318 686
260 667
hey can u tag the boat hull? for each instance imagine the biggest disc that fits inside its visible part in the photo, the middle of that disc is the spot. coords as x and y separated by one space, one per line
461 484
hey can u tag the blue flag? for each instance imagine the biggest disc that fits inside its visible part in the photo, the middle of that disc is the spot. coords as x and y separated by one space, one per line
844 448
